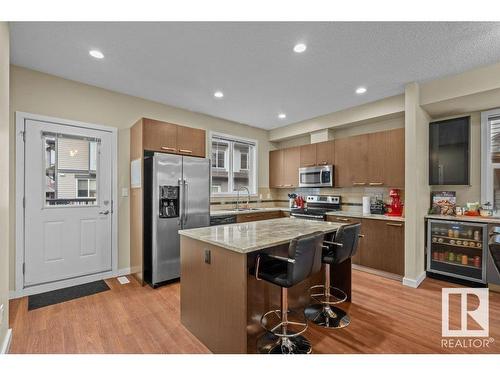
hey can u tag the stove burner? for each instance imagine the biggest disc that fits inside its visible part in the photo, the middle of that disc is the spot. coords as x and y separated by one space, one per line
317 207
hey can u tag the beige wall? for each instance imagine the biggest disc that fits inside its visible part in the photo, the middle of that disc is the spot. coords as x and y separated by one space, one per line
416 184
471 193
4 178
381 109
44 94
349 131
483 79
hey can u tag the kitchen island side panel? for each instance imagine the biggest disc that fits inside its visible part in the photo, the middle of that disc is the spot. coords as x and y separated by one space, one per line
214 295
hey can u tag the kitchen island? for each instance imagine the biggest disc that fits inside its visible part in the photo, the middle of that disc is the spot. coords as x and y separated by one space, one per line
221 301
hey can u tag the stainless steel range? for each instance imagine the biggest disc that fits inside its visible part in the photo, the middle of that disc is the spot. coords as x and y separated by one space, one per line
317 207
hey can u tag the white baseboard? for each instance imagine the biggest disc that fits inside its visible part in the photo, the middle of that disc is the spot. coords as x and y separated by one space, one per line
414 283
123 272
4 348
66 283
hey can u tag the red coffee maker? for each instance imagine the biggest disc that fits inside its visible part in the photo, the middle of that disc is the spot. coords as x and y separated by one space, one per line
395 208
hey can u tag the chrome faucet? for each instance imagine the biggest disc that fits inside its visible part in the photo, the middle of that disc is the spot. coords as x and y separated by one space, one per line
238 189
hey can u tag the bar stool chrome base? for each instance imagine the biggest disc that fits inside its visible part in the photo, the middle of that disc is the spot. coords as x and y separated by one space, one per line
284 330
323 313
281 325
327 316
327 295
272 344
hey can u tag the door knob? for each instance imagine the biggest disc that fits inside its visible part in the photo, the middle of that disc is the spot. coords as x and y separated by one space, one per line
104 212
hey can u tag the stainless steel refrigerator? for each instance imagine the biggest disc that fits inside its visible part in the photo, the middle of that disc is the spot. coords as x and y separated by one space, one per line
176 196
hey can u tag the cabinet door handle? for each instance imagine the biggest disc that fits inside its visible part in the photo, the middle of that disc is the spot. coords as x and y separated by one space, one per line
359 183
394 225
361 235
288 185
185 151
376 183
168 148
342 219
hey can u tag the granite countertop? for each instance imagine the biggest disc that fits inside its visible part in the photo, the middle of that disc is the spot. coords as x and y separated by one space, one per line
358 214
257 235
224 212
475 219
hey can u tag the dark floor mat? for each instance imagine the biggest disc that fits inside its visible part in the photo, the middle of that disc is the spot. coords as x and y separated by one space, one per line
66 294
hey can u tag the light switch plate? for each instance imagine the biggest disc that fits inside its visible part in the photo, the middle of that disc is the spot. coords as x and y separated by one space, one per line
124 192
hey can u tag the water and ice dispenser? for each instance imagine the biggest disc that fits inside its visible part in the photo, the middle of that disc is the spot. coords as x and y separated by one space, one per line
169 201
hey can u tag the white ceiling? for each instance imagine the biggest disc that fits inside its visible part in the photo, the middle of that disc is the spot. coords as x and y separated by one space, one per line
182 64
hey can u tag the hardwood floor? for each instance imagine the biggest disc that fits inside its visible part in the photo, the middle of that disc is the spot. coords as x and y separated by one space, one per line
386 318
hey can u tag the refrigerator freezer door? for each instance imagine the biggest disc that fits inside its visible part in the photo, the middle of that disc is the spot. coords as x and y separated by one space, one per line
166 244
196 175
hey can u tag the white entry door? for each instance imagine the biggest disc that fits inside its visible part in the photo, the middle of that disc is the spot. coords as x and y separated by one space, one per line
68 206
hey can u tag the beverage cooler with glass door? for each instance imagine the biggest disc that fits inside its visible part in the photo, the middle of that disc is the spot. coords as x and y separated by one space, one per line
457 249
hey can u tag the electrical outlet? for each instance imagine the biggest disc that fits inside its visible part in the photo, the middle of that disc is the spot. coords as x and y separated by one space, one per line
124 192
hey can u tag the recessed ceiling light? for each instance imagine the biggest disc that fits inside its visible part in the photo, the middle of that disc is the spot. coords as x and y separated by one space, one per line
96 53
299 48
282 115
360 90
218 94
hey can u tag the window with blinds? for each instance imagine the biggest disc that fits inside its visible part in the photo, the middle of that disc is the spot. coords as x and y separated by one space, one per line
234 165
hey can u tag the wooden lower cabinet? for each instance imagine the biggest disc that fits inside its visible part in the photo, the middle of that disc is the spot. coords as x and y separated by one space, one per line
257 216
382 245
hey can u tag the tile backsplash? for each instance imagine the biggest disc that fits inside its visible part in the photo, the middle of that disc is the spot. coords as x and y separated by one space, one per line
351 197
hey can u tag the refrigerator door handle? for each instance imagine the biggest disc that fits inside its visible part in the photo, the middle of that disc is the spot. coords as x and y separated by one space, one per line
186 191
181 207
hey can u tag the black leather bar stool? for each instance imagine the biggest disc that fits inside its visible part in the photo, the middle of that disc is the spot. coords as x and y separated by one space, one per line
304 258
324 312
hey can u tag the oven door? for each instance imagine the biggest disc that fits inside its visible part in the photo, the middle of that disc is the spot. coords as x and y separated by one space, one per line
316 176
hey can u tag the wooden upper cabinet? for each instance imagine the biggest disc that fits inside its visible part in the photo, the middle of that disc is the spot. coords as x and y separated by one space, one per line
342 163
276 168
159 136
176 139
308 155
377 155
325 153
191 141
374 159
395 160
358 160
291 164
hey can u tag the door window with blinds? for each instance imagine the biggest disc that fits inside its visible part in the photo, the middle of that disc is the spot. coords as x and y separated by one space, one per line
490 159
234 165
70 177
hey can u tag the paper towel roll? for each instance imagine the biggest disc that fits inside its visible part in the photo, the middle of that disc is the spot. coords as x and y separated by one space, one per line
366 205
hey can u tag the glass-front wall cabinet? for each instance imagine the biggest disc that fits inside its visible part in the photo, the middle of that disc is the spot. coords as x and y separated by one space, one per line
457 249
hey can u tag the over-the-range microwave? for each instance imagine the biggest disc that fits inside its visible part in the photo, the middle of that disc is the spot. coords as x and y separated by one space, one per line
316 176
